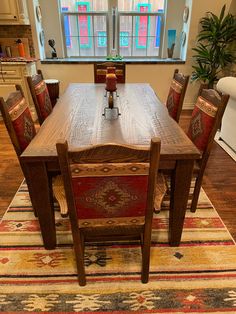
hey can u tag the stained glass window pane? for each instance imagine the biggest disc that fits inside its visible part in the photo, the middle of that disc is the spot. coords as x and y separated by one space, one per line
95 5
133 5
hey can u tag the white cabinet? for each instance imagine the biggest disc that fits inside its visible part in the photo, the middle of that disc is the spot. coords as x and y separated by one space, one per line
15 73
13 12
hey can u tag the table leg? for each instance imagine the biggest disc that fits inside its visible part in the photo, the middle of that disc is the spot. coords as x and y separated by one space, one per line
36 176
180 186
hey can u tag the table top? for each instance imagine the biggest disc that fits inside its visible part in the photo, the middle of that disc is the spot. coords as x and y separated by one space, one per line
77 117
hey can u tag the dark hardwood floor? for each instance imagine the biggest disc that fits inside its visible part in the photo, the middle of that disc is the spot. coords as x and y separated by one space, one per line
219 180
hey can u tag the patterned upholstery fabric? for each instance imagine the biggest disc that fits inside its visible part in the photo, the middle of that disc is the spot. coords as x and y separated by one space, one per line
111 70
43 99
22 121
201 124
173 99
118 197
101 71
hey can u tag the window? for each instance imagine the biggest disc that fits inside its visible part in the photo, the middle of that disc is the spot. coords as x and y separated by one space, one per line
85 27
131 28
140 25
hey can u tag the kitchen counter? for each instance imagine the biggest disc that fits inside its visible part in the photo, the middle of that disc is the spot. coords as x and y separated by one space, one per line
15 71
16 60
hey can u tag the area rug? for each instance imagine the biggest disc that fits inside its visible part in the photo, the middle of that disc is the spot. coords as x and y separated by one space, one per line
199 276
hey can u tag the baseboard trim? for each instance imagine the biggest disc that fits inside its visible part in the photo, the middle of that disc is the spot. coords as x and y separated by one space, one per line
188 106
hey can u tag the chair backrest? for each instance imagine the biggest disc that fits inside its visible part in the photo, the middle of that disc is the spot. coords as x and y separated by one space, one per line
100 71
40 95
176 94
110 181
206 118
18 120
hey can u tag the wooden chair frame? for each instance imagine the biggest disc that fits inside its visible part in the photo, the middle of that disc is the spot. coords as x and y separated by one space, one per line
11 130
117 65
58 186
32 82
183 80
220 103
110 153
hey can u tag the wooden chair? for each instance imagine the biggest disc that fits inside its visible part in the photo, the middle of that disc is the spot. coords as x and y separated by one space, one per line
100 71
40 95
176 95
21 129
18 120
205 121
110 193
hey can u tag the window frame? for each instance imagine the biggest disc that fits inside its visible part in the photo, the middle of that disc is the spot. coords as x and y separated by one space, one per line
88 14
139 14
113 32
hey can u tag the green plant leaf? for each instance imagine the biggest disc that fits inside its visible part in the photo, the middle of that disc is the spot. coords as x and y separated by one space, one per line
215 48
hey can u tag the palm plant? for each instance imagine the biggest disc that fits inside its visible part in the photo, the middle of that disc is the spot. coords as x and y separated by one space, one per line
213 51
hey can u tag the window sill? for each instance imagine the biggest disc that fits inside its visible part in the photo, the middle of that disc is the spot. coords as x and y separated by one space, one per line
126 60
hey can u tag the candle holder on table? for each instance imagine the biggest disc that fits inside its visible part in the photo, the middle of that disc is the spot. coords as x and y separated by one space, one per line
111 81
111 112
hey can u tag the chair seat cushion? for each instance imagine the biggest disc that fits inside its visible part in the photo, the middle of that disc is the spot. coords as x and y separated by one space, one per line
160 191
59 194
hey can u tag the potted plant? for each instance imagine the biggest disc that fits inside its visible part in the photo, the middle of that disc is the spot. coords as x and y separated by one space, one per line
214 52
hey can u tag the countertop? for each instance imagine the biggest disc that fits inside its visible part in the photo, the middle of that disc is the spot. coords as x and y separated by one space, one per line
16 60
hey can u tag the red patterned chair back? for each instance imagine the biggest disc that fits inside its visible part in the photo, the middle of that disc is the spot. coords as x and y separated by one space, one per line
111 70
176 95
206 118
40 95
110 192
18 120
101 69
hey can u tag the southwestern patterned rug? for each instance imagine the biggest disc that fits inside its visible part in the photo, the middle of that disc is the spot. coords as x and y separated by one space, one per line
197 277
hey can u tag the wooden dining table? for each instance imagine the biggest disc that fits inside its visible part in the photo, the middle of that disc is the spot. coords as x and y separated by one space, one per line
78 118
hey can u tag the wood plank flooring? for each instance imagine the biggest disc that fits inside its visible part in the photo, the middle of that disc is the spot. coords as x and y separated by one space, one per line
219 180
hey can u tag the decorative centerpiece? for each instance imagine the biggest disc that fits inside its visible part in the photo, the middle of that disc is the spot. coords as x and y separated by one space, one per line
111 80
111 112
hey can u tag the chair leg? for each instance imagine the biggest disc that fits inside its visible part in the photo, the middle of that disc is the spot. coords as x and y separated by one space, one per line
79 255
196 193
146 258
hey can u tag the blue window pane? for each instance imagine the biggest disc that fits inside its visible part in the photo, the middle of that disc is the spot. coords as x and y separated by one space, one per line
102 39
124 39
67 27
